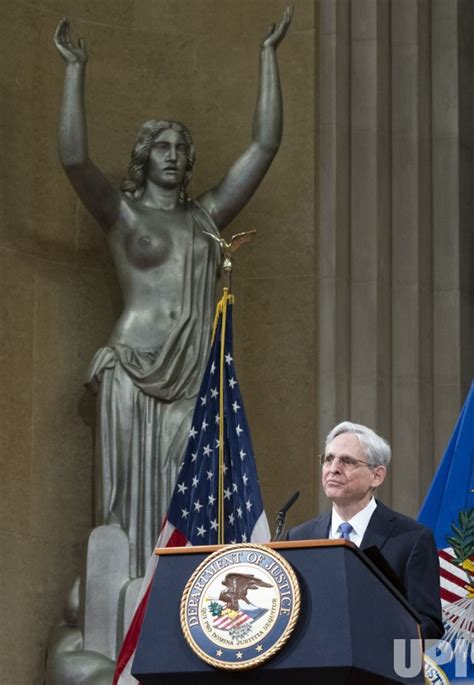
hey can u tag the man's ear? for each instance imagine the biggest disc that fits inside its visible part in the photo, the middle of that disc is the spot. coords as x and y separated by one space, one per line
378 475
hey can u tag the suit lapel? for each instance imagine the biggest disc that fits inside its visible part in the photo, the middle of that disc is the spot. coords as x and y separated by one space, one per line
320 529
380 528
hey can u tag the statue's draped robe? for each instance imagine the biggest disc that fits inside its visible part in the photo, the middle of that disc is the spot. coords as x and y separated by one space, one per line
145 403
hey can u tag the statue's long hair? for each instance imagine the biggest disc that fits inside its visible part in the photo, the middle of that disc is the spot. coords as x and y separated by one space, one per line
134 183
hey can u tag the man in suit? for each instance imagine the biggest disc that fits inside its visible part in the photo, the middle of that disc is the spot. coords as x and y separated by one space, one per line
354 464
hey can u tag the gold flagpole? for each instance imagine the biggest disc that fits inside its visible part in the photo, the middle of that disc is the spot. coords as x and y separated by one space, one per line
221 310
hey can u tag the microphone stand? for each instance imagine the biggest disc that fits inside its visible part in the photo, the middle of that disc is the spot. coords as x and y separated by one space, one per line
281 516
280 529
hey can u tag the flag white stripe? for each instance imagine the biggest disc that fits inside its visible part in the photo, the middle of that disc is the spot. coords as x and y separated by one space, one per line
261 531
125 677
448 582
452 587
453 569
166 532
448 550
227 622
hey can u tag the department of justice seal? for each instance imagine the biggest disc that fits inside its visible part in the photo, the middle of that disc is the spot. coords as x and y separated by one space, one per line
434 675
240 606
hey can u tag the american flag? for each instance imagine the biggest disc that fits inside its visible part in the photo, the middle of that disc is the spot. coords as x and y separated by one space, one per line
227 622
217 481
449 510
235 619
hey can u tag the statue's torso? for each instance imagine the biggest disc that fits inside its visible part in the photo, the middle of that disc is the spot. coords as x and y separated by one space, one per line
151 249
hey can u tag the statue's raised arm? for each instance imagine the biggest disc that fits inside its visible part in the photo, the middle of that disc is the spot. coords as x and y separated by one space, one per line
226 200
88 181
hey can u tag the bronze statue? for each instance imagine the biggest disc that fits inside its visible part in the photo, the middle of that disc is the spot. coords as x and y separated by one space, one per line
147 377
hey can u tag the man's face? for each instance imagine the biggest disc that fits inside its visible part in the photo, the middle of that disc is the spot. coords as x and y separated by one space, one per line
168 159
345 485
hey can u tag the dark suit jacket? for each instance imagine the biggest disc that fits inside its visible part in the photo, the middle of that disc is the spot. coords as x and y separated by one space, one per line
410 550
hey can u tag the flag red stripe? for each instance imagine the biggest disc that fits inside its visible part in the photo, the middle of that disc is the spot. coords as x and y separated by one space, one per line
446 555
444 573
238 620
226 622
131 638
449 596
177 539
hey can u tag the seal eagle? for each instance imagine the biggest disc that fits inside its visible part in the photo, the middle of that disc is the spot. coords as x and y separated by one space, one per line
237 585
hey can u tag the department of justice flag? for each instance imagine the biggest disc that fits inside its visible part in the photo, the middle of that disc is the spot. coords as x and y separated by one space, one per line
449 511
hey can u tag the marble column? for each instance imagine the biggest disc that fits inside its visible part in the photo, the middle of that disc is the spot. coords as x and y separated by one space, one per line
396 296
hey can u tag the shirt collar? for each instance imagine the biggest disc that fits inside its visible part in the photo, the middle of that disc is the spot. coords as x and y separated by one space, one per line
359 522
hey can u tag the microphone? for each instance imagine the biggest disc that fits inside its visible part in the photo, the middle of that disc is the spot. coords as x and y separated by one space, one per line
281 516
290 502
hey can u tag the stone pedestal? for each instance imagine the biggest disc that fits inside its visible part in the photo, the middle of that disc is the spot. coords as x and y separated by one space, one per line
83 647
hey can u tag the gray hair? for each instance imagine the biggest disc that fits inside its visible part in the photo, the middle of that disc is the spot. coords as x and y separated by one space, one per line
376 448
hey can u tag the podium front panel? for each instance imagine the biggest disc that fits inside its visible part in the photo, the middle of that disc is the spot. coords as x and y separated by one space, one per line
348 620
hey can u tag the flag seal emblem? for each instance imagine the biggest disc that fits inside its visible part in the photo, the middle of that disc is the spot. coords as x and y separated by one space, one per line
457 580
240 606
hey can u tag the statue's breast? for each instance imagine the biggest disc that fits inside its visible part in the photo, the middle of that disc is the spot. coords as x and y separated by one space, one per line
149 241
147 249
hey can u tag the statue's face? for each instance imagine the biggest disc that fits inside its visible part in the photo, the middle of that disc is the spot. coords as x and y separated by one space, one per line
168 159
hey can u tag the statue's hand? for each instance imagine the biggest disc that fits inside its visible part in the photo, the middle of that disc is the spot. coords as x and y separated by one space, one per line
275 34
65 46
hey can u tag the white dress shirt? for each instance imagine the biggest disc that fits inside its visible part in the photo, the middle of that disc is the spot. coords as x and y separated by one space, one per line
359 523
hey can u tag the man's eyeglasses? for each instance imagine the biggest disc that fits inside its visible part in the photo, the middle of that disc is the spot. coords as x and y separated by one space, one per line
347 462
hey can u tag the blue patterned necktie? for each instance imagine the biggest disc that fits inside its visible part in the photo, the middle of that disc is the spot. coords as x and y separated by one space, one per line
345 530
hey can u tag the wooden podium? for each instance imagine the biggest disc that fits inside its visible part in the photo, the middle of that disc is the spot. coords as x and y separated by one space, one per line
350 616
